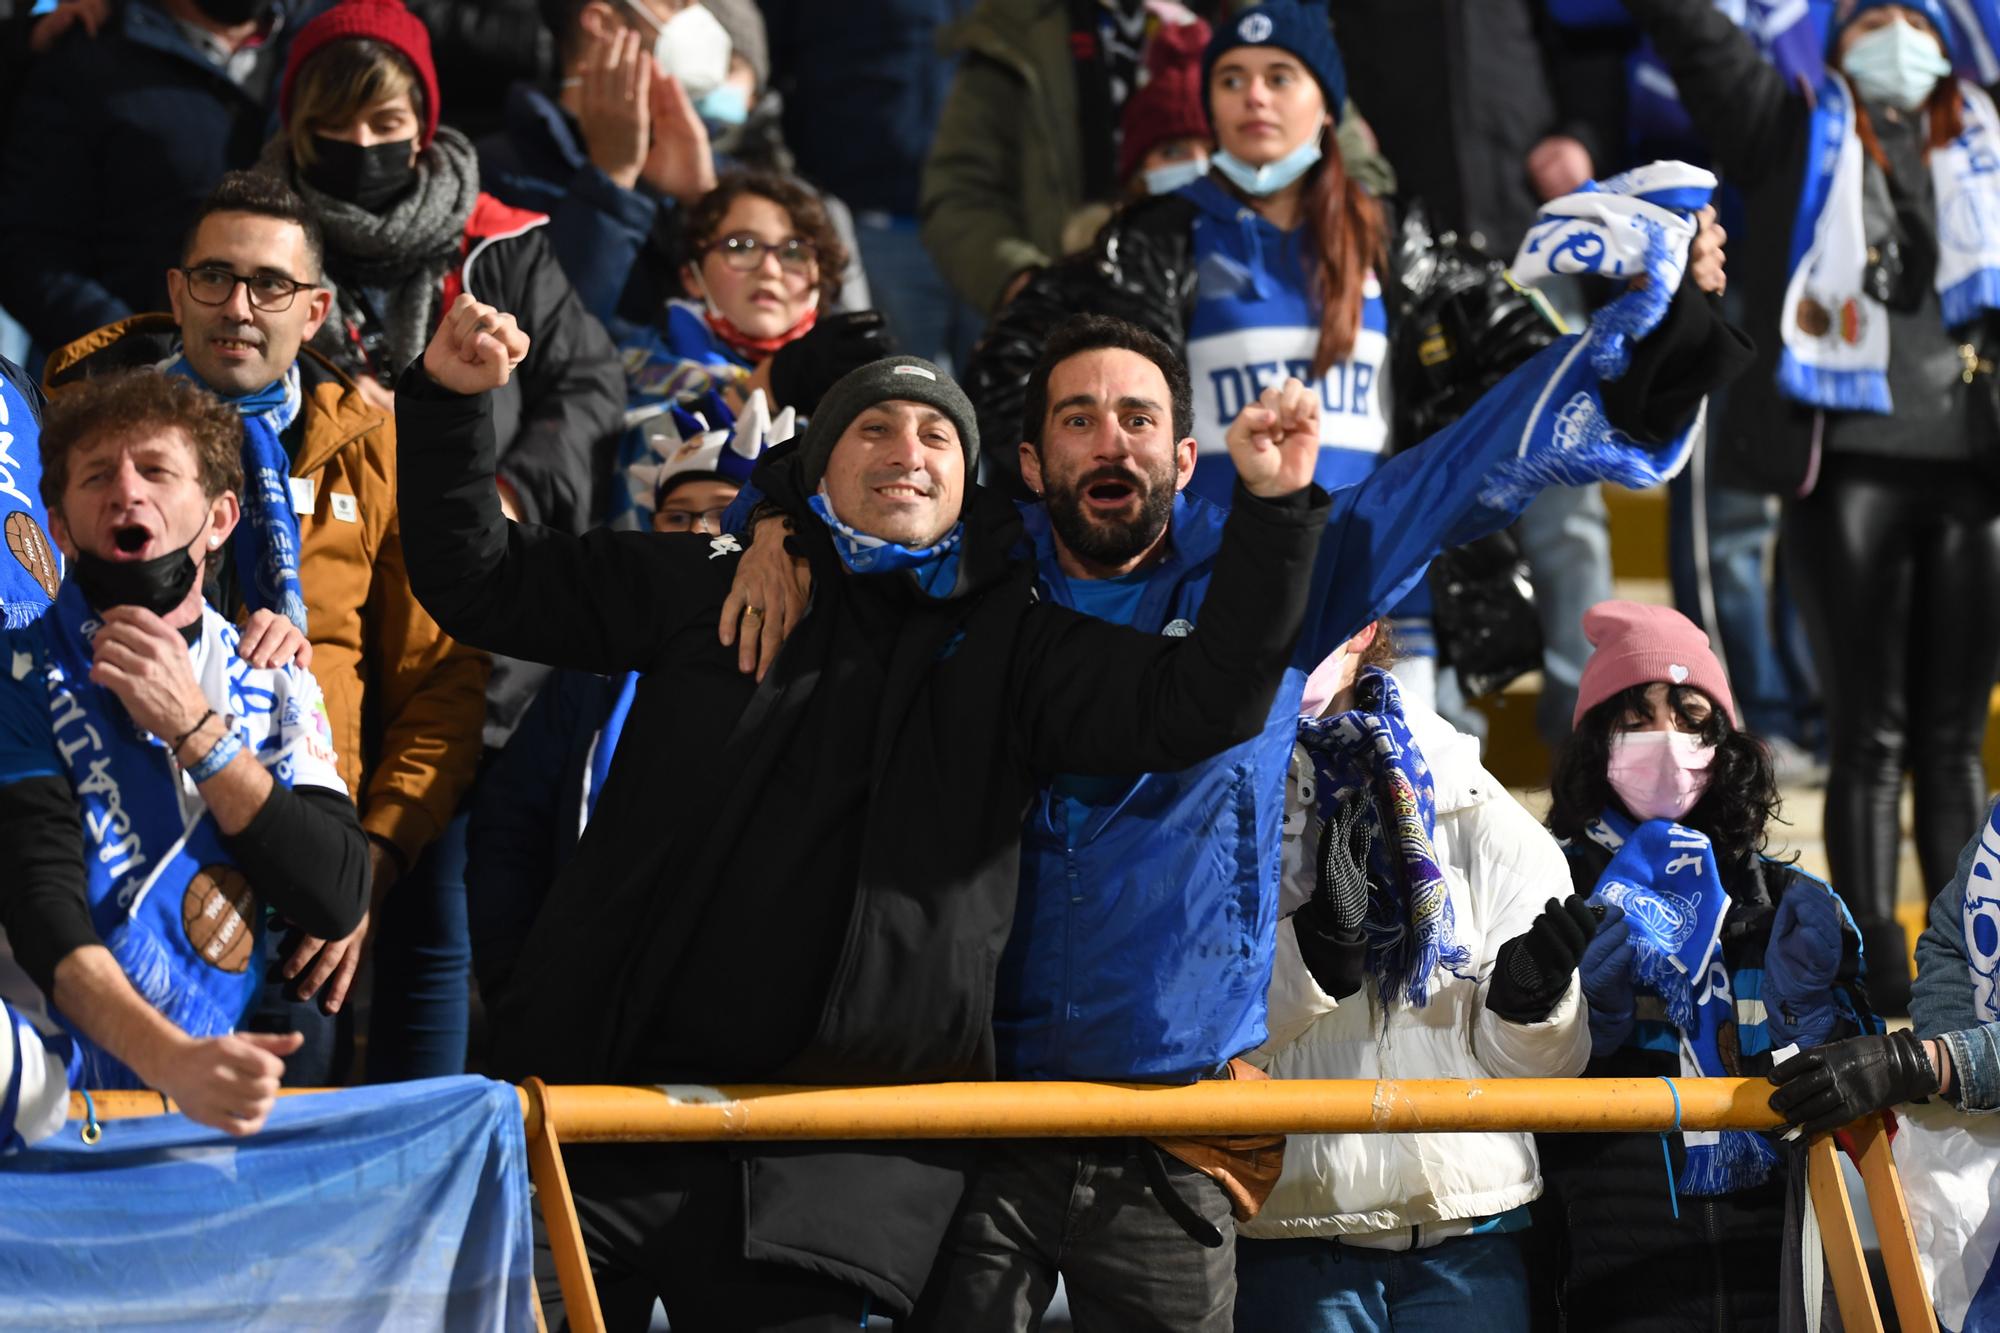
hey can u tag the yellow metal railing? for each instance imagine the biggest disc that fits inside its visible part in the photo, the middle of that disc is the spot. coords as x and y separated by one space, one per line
572 1115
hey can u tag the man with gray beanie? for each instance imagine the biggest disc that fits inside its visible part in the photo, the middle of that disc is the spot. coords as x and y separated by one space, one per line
826 902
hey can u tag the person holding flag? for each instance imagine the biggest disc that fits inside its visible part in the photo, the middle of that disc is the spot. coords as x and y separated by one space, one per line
1710 957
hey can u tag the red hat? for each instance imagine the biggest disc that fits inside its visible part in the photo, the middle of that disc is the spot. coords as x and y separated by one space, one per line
1638 645
1169 106
384 20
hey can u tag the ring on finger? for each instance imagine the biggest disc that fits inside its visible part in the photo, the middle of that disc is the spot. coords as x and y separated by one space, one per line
757 611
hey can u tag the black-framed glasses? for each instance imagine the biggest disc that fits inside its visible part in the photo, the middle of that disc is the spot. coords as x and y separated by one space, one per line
269 292
745 252
683 520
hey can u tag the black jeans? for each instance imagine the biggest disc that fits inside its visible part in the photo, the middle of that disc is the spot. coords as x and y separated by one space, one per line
667 1221
1084 1208
1897 569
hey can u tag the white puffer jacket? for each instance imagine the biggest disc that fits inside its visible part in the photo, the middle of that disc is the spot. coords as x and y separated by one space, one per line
1501 868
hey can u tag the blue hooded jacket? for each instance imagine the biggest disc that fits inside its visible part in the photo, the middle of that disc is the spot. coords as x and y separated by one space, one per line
1147 916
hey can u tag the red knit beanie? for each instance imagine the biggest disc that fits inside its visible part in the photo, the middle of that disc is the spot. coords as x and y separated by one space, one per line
1637 645
384 20
1169 106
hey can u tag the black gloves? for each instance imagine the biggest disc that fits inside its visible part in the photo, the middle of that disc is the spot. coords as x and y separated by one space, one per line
1328 927
1830 1086
803 370
1532 970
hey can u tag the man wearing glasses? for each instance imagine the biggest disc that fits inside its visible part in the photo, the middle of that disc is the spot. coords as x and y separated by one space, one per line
319 544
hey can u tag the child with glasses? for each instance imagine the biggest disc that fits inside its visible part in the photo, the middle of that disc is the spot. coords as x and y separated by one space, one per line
762 265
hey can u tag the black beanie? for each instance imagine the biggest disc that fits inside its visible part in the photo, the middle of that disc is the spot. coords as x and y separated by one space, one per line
910 378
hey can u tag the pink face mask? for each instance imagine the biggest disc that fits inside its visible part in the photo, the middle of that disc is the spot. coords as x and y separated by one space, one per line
1659 774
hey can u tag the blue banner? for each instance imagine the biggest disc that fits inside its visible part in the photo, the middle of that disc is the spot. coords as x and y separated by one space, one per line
403 1206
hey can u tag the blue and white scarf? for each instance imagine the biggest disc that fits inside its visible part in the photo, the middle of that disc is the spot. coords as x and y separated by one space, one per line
1410 925
1980 917
164 895
267 545
934 567
32 568
1664 876
1638 222
1836 336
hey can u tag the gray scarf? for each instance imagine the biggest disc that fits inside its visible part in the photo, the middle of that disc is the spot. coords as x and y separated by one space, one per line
405 251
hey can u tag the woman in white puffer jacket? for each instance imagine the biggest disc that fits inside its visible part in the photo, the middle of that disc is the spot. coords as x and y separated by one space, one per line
1373 1231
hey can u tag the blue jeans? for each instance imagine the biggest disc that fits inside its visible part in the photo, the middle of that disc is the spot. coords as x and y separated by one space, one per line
927 317
1719 584
420 1010
1565 535
1322 1286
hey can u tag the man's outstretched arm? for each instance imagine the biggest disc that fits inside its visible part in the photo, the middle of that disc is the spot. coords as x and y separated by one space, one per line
600 602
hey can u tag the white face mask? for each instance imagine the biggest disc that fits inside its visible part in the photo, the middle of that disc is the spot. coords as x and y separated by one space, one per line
693 46
1896 65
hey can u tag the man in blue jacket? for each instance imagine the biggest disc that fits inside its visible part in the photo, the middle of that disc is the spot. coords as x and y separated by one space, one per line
1145 926
150 111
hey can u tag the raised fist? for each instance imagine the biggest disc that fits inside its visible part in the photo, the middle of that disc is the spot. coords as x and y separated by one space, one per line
475 349
1274 441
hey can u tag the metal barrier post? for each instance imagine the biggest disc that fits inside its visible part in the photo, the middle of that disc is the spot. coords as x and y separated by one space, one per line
1884 1187
545 1164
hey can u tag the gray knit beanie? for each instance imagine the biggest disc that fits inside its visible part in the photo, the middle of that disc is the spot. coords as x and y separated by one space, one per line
910 378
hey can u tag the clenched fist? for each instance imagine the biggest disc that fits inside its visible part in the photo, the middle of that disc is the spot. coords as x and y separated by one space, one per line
476 347
1274 441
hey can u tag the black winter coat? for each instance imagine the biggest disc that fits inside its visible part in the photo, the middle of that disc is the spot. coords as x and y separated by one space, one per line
115 141
1756 126
810 879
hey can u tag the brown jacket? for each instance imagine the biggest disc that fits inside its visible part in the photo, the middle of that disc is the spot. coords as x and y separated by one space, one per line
407 702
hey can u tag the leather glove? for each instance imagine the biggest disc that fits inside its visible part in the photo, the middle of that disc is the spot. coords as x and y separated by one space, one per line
1835 1085
804 369
1328 926
1607 982
1800 964
1532 970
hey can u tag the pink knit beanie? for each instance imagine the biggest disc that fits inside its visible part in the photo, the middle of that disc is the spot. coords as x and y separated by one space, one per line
1637 645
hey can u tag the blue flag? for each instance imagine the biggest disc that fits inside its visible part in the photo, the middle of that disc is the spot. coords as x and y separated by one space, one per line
404 1206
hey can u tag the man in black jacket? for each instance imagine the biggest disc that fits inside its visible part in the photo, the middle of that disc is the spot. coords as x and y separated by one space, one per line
826 902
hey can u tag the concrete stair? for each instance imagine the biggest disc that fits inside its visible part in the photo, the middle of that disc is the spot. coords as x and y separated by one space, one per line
1516 755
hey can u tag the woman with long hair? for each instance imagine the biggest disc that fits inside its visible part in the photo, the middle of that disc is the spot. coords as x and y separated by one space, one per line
1268 266
1872 286
1711 956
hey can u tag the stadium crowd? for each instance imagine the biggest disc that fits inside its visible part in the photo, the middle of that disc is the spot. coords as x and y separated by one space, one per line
753 541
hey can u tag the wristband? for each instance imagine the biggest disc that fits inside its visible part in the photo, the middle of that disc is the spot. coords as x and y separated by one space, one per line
217 758
175 746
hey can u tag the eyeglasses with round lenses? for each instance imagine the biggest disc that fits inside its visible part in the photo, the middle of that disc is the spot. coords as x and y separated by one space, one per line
745 252
269 292
682 520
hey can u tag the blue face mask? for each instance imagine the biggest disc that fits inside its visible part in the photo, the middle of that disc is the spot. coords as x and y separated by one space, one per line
726 106
1166 179
1896 65
1272 176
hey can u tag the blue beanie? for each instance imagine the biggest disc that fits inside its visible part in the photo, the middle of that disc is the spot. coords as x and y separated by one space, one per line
1930 9
1301 27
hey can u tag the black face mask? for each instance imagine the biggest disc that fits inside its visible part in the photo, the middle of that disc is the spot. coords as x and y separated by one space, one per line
158 585
232 12
372 178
